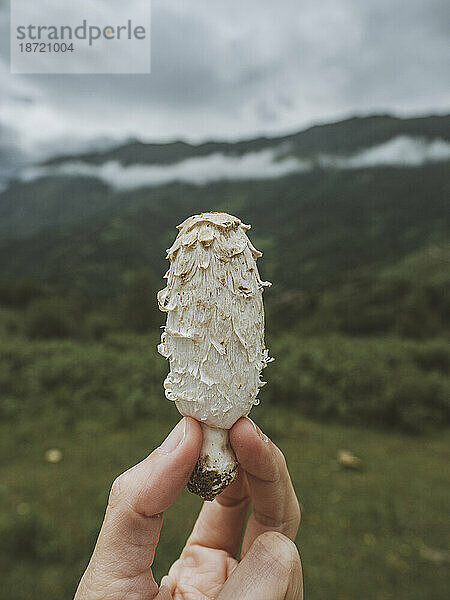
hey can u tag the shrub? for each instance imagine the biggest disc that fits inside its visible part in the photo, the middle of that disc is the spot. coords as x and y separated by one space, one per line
433 356
417 319
139 308
378 382
10 321
19 294
98 325
375 382
51 318
417 401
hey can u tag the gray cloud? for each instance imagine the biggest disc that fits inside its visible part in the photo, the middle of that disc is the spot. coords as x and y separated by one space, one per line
233 69
400 151
198 170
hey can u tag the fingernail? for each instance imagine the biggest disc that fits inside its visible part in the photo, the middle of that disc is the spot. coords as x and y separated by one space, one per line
258 431
174 439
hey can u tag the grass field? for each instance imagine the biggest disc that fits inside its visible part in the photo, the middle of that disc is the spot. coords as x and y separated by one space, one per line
379 533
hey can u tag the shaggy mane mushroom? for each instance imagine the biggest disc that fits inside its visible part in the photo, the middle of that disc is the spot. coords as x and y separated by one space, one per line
214 337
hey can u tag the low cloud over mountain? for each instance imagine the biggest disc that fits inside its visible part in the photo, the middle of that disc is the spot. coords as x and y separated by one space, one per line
271 163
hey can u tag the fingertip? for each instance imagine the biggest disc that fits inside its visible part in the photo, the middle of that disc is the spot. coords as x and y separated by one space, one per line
271 566
243 428
183 452
193 431
253 449
287 554
246 436
279 545
192 441
153 484
185 436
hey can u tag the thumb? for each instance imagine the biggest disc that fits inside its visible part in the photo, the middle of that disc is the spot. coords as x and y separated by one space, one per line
270 570
129 535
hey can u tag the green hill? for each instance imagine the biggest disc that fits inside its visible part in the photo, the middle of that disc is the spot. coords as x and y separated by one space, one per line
29 207
312 227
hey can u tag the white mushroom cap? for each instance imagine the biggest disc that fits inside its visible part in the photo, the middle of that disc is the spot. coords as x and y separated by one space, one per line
214 335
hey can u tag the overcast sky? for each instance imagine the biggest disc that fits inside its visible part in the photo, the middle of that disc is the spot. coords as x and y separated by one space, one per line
239 68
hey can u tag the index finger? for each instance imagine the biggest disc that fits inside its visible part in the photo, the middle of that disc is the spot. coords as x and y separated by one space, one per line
130 532
275 505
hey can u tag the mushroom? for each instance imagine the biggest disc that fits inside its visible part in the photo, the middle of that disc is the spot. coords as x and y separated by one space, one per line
213 337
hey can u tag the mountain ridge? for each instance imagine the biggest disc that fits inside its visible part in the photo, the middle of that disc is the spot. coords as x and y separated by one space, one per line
311 227
332 137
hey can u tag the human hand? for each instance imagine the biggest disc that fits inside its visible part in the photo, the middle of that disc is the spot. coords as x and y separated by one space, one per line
269 567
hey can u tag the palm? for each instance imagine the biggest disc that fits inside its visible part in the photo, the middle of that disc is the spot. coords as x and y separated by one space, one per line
208 558
200 573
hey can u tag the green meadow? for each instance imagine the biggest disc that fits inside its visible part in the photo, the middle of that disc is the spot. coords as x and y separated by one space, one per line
378 532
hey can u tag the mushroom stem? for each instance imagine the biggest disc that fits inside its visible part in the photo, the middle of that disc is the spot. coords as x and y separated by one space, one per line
216 467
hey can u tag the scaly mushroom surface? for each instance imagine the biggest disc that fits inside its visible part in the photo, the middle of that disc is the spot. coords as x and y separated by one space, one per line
214 337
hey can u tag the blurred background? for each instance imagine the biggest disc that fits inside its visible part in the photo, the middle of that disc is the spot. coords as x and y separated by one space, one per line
326 127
